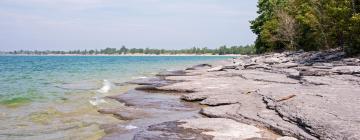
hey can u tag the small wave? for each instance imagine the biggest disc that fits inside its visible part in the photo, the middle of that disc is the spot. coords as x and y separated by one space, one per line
96 101
106 87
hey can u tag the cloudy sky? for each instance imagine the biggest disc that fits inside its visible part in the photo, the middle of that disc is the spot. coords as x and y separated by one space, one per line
96 24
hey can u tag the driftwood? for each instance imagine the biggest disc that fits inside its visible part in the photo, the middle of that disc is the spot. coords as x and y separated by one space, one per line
285 98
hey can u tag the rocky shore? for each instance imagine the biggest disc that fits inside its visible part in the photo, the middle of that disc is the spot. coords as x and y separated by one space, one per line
282 96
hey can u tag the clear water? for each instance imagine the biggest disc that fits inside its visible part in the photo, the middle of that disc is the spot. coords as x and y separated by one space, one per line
49 95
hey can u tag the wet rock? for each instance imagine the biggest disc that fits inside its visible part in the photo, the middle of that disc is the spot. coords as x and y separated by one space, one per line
171 130
125 113
141 99
193 97
148 109
201 129
230 66
147 88
305 95
249 65
200 66
173 73
153 81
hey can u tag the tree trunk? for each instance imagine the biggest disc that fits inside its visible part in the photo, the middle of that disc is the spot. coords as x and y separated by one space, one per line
354 6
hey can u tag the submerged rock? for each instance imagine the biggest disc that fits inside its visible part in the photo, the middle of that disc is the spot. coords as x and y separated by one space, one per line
172 73
125 113
200 66
203 129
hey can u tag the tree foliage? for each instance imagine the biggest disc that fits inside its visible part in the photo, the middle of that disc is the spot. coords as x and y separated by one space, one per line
223 50
307 24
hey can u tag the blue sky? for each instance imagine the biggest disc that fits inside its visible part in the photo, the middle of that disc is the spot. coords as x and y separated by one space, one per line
96 24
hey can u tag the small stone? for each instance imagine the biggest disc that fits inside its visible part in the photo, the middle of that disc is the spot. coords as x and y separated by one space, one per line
218 68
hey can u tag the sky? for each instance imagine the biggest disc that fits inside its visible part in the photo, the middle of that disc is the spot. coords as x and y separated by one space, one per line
97 24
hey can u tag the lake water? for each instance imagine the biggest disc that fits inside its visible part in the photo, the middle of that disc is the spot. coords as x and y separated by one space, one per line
57 97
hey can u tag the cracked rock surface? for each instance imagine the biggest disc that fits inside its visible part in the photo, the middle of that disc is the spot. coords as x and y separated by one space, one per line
307 95
297 95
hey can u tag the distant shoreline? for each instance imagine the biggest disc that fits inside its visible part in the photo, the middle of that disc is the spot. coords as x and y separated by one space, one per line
118 55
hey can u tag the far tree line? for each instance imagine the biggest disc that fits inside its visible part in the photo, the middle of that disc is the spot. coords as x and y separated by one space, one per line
223 50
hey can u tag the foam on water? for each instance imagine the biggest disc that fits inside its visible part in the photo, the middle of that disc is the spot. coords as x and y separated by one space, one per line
99 98
106 87
96 100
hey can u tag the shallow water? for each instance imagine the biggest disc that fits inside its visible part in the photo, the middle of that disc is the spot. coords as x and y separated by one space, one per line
57 97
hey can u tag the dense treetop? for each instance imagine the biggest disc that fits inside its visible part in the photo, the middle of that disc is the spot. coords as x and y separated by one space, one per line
308 25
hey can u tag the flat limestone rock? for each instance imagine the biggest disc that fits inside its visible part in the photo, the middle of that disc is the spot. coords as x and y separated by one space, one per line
305 95
347 69
286 65
173 73
221 128
218 68
203 129
199 67
125 113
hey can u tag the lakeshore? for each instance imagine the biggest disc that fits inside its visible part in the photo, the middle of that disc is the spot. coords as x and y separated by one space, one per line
57 97
282 96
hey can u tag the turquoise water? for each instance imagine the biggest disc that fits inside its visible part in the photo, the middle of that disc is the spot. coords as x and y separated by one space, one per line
52 97
43 78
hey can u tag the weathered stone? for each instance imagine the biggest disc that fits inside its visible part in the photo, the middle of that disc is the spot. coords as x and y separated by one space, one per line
172 73
285 65
347 70
286 138
125 113
272 60
323 65
152 81
202 129
200 66
335 56
218 68
305 95
230 66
